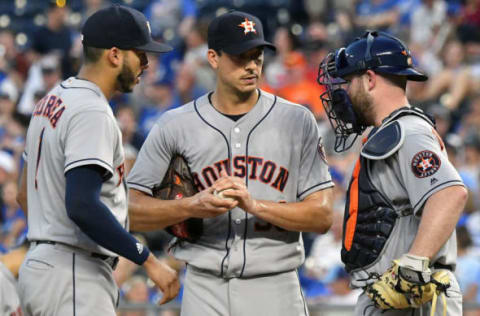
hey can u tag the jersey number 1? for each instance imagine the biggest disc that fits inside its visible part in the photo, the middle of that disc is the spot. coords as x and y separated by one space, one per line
38 156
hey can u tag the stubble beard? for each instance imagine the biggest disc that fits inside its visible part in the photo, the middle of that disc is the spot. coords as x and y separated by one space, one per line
126 79
363 106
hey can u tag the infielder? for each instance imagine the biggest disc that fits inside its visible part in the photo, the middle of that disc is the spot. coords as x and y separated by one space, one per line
404 197
73 182
277 185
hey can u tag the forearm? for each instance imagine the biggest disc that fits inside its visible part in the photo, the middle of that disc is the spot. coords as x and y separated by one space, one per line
440 215
147 213
314 214
94 218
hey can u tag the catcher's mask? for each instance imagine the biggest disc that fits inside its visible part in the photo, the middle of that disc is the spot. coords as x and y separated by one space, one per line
375 51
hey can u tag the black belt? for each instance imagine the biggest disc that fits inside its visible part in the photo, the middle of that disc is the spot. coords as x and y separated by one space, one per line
111 261
438 265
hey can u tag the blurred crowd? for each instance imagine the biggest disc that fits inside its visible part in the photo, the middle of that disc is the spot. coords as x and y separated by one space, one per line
40 44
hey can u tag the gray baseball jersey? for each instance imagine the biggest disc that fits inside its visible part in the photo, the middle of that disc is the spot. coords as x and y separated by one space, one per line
407 178
275 147
9 300
72 126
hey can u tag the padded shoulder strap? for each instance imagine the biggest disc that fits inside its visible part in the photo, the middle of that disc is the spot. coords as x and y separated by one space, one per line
385 142
390 136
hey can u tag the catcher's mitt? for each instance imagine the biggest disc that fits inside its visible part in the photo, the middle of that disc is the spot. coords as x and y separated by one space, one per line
408 283
177 184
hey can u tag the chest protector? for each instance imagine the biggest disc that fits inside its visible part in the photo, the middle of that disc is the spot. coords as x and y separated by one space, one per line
369 216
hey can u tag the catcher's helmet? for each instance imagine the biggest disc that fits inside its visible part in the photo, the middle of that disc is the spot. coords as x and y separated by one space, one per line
377 51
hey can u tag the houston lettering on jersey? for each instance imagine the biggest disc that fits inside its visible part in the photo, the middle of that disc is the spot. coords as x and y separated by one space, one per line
50 106
257 168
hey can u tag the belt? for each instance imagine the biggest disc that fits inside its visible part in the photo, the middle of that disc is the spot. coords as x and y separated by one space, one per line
111 261
438 265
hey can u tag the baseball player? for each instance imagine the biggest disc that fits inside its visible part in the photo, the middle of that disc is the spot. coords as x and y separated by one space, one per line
263 156
404 197
73 184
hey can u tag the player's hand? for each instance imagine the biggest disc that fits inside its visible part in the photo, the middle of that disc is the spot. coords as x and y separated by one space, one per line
205 204
164 277
235 188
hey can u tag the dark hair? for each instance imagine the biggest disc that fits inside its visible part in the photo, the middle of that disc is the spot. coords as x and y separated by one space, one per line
92 54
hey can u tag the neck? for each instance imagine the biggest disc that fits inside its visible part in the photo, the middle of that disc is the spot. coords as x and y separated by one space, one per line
391 101
231 103
94 73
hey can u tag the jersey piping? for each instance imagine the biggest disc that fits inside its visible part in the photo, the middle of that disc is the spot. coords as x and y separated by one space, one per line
312 187
421 201
94 159
61 85
227 249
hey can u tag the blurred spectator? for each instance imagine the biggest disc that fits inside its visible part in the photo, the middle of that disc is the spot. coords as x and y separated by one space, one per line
442 75
339 291
55 37
12 60
465 84
196 57
377 14
325 265
42 76
468 270
427 21
159 98
171 20
13 138
13 225
91 6
8 168
285 42
135 291
468 25
9 266
187 88
132 140
297 87
8 101
275 72
325 253
471 165
321 10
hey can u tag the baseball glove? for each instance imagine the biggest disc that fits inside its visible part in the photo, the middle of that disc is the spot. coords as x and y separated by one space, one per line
408 283
177 184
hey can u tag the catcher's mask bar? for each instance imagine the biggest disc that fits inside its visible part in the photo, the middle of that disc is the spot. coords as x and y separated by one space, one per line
337 103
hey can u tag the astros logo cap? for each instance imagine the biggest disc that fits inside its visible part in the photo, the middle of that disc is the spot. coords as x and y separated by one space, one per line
122 27
236 32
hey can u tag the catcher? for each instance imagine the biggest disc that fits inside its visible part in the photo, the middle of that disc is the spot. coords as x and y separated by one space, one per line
404 197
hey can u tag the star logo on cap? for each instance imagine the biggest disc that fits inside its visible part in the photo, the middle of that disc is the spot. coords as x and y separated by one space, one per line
248 26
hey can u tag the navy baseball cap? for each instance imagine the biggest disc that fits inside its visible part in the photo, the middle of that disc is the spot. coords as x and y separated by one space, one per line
236 32
122 27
